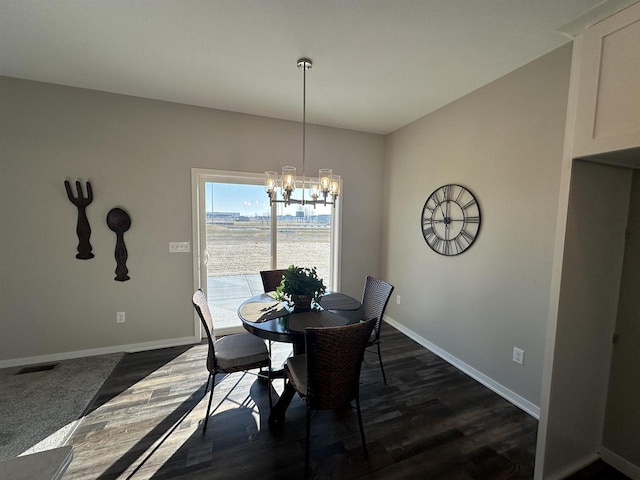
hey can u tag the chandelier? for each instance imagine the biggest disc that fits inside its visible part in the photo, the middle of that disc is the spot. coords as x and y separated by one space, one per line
324 190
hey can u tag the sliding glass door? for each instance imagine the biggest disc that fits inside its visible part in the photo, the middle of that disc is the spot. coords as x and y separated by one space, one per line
237 234
304 238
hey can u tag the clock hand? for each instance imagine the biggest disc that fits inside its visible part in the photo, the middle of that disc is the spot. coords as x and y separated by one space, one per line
446 199
447 223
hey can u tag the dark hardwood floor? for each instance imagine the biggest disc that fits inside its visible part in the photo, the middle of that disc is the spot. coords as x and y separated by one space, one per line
600 471
430 422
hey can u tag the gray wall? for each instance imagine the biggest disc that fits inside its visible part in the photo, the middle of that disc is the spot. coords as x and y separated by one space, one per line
138 154
504 142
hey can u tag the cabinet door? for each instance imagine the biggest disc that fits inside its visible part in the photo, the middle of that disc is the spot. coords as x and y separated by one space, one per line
608 109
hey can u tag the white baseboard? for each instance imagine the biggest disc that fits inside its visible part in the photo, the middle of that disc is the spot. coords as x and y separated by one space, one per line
133 347
488 382
619 463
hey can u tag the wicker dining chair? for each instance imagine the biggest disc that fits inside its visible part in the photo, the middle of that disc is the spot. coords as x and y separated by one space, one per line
231 353
271 279
375 297
327 376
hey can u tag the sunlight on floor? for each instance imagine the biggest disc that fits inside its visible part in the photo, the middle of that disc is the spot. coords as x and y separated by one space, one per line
164 434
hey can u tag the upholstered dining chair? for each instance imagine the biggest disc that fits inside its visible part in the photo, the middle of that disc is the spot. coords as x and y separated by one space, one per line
231 353
375 297
327 376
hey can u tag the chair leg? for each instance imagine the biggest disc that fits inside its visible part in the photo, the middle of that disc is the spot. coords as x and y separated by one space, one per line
364 443
306 444
206 419
206 387
384 377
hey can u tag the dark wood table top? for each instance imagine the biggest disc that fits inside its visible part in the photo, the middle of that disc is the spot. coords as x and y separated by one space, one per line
268 318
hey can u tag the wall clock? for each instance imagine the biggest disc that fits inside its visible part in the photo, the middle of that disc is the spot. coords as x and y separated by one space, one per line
450 220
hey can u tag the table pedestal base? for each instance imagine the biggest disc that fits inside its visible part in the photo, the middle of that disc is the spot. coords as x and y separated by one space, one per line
276 417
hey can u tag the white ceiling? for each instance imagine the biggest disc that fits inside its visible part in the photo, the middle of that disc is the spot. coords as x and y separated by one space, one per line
378 64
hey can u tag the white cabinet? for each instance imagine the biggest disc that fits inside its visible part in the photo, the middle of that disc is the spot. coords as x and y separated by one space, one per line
608 102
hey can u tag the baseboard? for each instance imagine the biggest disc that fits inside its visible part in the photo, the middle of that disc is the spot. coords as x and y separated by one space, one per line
132 347
488 382
619 463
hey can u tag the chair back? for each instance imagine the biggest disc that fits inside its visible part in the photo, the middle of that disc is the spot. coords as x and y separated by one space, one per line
375 297
202 308
334 359
271 279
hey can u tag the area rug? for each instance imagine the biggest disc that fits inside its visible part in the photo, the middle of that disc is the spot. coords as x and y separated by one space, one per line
40 405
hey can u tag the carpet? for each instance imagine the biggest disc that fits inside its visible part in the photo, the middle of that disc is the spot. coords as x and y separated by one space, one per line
40 408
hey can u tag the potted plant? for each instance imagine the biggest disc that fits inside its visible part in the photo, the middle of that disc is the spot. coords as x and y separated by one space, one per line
300 286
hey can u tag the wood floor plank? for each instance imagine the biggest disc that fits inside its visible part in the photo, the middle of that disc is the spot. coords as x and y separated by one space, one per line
430 422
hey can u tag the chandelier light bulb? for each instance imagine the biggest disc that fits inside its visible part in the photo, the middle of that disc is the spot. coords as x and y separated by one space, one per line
325 179
335 186
270 181
288 179
315 191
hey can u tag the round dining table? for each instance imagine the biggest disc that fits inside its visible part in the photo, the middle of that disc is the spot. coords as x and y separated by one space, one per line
268 318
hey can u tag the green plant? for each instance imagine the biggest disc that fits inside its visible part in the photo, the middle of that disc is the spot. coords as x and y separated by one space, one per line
298 281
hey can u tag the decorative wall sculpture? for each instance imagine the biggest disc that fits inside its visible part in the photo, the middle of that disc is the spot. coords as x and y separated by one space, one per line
118 221
82 228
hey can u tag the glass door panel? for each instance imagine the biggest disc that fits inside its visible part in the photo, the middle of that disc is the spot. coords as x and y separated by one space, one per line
238 246
304 238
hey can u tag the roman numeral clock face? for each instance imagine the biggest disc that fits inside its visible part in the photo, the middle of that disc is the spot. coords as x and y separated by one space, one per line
450 220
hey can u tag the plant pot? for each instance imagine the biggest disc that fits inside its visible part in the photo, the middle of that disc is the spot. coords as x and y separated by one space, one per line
301 303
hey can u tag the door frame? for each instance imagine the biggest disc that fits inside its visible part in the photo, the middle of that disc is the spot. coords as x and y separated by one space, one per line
199 176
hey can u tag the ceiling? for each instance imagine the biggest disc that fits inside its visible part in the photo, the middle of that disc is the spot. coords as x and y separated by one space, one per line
377 64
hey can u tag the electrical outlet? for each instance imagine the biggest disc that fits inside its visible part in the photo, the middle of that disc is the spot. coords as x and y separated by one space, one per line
179 247
397 299
120 317
518 356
